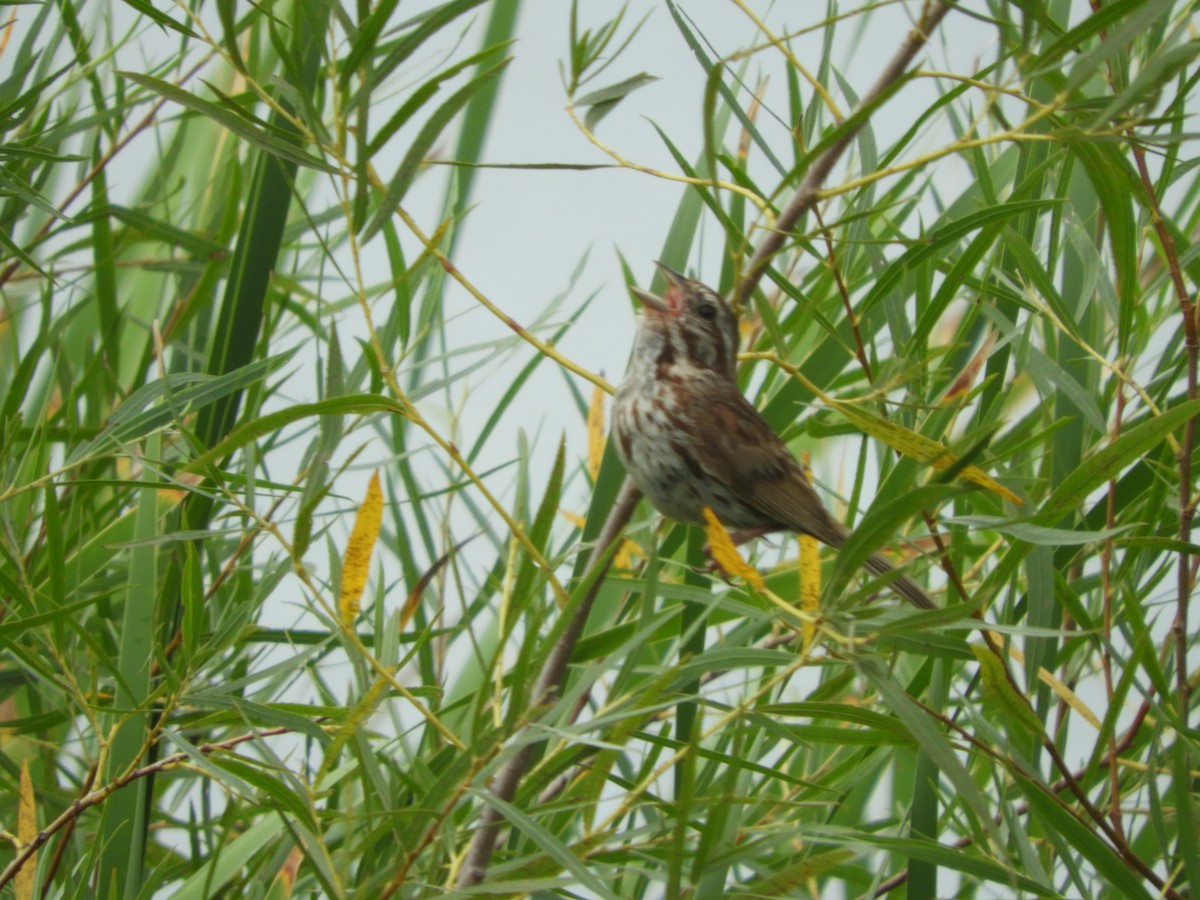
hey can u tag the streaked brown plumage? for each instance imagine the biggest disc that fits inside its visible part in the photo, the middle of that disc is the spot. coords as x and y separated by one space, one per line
689 439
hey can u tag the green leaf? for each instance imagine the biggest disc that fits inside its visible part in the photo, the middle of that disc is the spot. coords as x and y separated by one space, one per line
366 41
418 98
1038 534
1116 187
277 145
1106 463
430 132
166 401
601 102
928 733
551 845
256 428
228 862
148 9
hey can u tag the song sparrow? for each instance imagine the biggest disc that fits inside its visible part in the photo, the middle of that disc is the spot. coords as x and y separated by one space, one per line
689 439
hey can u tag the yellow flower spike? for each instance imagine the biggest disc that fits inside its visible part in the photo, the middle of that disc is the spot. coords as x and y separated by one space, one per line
725 554
810 572
627 555
356 564
595 432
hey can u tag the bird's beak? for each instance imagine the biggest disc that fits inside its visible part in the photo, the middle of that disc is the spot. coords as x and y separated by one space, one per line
668 302
673 278
650 301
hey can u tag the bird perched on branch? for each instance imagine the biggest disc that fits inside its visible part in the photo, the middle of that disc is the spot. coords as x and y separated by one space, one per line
690 439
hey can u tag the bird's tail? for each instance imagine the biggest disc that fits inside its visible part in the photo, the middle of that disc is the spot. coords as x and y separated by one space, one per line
901 584
834 533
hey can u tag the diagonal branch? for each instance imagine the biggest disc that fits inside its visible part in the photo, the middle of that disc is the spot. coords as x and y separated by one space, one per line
552 676
808 193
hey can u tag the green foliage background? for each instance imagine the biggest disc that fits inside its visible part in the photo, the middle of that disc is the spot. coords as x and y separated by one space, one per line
180 422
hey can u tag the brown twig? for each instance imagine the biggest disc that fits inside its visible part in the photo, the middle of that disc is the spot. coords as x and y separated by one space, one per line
942 554
504 787
65 841
860 348
1117 841
1187 503
808 193
68 817
1106 557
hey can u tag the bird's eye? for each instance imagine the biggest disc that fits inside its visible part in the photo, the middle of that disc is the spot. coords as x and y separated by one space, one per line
707 311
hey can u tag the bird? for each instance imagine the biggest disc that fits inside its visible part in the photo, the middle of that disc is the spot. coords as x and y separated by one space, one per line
689 438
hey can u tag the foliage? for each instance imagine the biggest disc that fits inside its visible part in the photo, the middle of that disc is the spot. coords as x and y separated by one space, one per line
201 357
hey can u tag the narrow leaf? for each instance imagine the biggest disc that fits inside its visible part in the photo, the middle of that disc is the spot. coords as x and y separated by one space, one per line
25 884
241 126
415 157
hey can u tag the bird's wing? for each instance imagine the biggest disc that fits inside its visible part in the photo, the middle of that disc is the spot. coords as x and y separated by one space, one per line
736 446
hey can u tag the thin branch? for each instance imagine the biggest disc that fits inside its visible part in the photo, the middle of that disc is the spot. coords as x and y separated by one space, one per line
1110 759
101 164
553 673
860 347
92 798
808 192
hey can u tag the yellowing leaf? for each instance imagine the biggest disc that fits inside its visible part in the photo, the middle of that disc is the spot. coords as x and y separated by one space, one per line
24 884
919 447
896 436
356 563
725 554
1070 697
285 880
413 601
999 691
810 574
966 379
595 429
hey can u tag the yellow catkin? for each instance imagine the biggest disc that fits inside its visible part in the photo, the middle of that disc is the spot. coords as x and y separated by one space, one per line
356 563
810 572
725 554
595 432
628 554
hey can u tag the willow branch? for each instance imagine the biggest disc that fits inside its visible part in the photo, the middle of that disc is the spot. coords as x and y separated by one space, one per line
550 680
808 193
90 798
